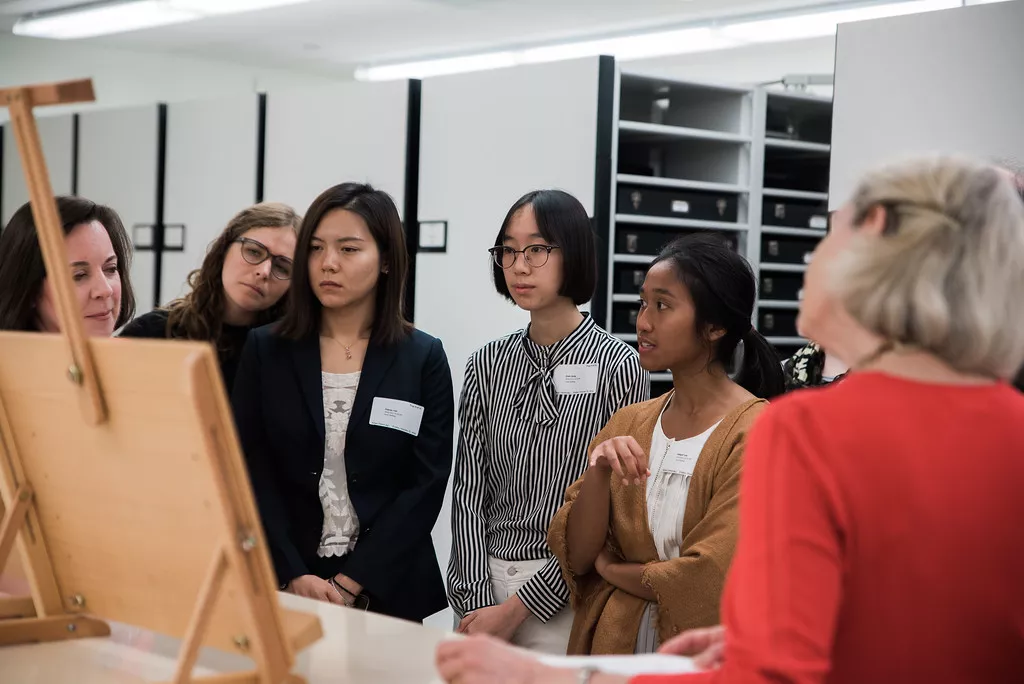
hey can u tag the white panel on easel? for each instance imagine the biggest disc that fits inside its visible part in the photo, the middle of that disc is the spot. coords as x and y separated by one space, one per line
211 176
321 137
55 132
944 82
117 152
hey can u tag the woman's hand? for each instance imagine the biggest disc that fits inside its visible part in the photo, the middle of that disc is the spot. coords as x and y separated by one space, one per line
622 456
313 587
498 621
706 646
604 559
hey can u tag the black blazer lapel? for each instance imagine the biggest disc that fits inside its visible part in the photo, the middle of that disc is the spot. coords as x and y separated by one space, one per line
306 359
375 366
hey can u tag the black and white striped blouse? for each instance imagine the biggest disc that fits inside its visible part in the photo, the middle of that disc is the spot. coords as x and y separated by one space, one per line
527 415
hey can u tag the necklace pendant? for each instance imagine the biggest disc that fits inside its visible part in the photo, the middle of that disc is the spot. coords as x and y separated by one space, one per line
348 353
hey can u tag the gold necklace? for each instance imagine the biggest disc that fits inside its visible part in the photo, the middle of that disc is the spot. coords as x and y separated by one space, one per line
346 347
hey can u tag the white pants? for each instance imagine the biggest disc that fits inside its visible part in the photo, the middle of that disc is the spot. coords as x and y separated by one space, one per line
551 637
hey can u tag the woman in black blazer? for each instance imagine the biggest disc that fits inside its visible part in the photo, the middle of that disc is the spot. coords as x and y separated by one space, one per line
345 413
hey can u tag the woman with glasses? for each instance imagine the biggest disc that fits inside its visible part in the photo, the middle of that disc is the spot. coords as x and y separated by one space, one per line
530 405
241 285
346 415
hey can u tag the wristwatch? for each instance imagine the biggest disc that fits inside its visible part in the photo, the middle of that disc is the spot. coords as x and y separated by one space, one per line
586 674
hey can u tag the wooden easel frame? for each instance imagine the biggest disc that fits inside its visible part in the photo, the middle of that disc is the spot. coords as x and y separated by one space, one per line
272 635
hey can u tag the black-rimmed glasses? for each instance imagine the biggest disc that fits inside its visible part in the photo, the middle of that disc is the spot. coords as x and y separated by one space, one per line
534 255
256 253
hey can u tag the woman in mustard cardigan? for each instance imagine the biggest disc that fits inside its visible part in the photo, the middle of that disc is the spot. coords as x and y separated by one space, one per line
646 535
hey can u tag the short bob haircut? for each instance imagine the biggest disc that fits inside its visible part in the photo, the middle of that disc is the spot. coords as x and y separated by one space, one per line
947 274
303 314
22 270
562 221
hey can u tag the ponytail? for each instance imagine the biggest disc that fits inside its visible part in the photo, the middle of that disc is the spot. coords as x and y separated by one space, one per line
760 367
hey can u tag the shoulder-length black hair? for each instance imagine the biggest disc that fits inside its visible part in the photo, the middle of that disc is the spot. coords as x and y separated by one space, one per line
722 287
378 210
562 221
22 270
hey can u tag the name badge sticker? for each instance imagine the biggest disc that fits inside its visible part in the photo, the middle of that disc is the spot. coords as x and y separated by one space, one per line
396 415
680 461
576 378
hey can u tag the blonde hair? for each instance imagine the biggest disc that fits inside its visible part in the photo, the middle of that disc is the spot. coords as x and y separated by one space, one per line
947 273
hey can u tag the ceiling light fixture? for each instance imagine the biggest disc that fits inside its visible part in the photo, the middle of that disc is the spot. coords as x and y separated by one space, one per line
103 18
699 38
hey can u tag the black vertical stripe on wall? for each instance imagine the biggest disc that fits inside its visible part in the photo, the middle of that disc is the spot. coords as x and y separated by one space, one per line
161 182
2 130
603 183
261 145
410 210
74 153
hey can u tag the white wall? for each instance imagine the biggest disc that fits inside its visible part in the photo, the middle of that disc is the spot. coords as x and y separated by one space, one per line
122 77
938 82
487 139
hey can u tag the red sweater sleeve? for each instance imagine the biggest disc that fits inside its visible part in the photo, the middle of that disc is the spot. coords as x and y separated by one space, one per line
783 591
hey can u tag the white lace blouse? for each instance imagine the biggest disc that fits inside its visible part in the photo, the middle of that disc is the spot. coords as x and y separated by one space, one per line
671 464
341 525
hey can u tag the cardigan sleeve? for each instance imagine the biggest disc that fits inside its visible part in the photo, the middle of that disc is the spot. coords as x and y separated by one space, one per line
784 590
557 531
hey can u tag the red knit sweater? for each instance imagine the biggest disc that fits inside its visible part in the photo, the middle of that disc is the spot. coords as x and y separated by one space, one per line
881 539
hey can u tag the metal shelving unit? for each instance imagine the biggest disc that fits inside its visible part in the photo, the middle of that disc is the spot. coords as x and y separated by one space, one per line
744 163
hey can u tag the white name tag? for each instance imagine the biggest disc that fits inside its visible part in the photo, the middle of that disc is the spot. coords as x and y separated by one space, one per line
680 207
680 461
576 379
396 415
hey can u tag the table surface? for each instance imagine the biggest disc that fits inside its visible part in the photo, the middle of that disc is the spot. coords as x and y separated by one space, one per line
357 648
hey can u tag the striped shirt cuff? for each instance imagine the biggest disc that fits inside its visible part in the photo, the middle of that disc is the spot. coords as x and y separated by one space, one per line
545 594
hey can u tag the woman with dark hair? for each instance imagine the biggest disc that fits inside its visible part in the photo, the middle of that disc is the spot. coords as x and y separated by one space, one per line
646 535
345 413
531 402
99 256
240 285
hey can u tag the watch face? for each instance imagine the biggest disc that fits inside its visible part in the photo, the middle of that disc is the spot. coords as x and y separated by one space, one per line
362 602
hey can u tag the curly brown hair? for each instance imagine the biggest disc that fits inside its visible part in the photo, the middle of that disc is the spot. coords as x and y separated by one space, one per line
199 315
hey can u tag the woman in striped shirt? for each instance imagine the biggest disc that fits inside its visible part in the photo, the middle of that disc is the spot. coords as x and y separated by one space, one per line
530 404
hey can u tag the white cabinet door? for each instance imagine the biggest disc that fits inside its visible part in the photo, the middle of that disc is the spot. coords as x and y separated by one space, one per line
211 176
55 133
321 137
117 166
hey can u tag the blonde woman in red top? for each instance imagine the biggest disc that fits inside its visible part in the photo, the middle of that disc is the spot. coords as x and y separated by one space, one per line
880 518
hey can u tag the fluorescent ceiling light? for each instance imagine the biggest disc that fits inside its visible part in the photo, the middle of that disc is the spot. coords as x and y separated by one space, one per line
98 19
825 23
717 36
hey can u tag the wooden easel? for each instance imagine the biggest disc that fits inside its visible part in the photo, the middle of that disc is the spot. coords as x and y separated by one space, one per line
125 489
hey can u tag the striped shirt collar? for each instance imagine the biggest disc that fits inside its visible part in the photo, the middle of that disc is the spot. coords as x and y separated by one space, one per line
545 358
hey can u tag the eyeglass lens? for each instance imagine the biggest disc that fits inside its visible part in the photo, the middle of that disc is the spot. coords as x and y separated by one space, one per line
255 254
535 255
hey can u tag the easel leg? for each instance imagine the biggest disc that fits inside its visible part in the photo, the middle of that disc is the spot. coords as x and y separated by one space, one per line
60 628
13 521
197 625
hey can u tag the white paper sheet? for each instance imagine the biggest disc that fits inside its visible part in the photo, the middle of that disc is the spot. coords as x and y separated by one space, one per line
625 665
